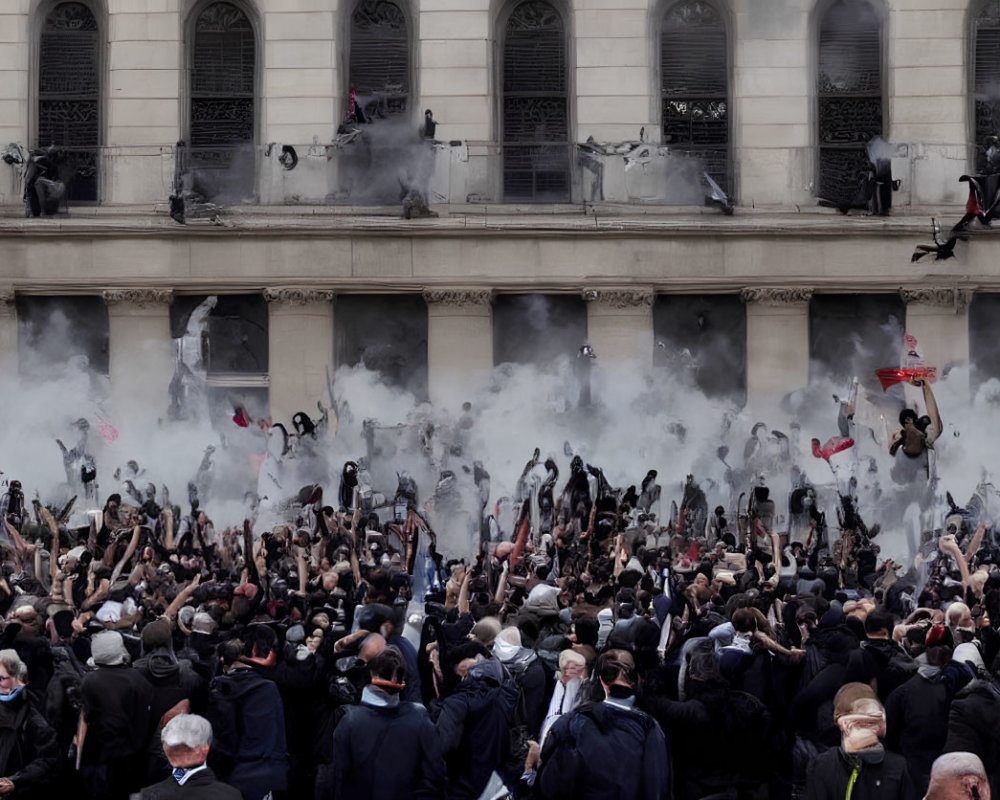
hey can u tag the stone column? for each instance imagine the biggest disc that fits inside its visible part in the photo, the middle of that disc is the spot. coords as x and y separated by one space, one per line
620 326
141 357
459 343
300 349
939 318
777 344
8 332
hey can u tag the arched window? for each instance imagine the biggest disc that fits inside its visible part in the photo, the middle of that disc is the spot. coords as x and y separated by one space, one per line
535 105
380 58
849 91
694 85
986 75
69 95
223 80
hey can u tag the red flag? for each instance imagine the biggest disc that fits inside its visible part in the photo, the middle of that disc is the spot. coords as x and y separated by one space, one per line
834 445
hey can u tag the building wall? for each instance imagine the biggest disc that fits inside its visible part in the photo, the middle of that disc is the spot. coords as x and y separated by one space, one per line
613 90
776 252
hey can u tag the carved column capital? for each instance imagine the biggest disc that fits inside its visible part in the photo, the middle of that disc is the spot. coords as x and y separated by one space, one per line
298 295
6 300
776 296
138 297
621 298
458 297
941 296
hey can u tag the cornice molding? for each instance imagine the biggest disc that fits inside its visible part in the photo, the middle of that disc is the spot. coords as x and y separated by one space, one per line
776 297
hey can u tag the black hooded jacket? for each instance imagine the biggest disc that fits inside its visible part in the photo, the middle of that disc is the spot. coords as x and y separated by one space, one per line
474 728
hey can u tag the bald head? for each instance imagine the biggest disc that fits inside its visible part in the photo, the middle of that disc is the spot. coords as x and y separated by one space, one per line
373 644
958 776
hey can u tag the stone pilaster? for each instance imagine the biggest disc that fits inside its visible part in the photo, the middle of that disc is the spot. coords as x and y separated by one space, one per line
620 326
777 344
8 332
300 349
141 356
938 317
459 343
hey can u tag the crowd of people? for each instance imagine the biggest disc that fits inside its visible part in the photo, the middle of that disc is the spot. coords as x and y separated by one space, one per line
591 648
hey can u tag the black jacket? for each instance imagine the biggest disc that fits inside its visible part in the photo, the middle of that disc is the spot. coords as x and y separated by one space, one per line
28 750
474 728
830 773
973 728
600 751
387 751
200 786
117 705
917 721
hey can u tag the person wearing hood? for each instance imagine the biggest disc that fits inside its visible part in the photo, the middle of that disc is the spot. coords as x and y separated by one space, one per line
542 608
881 661
860 768
177 688
972 718
917 712
117 720
384 729
474 722
605 749
28 749
526 668
248 720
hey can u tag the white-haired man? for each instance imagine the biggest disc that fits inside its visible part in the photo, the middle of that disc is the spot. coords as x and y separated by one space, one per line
186 739
958 776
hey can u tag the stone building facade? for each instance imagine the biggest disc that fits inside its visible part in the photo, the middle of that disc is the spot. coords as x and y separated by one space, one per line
561 166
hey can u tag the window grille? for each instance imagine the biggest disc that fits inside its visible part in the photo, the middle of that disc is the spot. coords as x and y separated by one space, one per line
986 79
694 80
380 58
849 89
223 78
536 145
69 96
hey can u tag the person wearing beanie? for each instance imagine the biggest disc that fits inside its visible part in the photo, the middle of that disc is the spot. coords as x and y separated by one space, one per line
917 712
860 768
177 688
118 722
526 668
385 747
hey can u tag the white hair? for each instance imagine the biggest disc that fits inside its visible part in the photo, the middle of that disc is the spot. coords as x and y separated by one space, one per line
188 730
955 612
958 765
12 662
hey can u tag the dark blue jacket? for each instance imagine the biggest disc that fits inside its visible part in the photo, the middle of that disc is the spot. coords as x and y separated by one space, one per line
474 727
601 751
248 725
387 751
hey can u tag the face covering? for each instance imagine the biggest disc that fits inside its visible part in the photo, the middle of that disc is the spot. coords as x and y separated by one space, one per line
6 698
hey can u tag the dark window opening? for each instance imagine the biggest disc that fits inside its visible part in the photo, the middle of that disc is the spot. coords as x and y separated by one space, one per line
694 81
69 92
388 334
986 78
849 88
536 142
234 339
984 337
704 336
854 335
53 331
538 328
380 58
223 103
